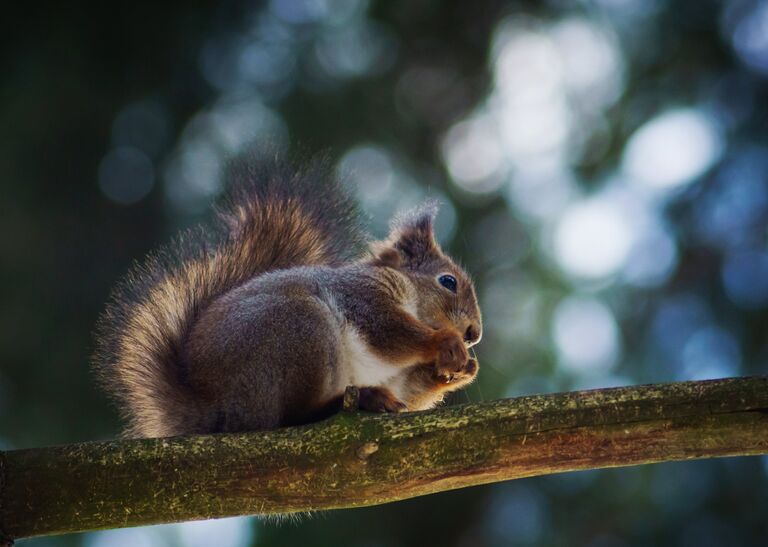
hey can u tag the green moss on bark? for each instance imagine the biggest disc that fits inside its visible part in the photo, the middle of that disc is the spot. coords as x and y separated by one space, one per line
356 459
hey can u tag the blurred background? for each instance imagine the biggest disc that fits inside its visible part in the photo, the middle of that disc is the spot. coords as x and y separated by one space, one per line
603 169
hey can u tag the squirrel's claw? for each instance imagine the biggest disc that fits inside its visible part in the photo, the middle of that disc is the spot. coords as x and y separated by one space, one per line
464 376
445 378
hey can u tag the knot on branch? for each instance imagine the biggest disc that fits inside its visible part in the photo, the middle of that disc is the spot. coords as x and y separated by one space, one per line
351 399
367 449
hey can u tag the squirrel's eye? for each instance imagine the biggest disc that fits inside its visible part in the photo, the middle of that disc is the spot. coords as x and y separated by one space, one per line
448 281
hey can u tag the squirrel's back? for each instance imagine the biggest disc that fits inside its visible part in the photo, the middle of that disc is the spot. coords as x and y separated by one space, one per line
276 215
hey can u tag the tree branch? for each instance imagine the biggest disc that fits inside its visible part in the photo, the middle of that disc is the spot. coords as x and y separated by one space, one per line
354 459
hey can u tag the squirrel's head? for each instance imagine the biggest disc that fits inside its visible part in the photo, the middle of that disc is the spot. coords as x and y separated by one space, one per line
445 292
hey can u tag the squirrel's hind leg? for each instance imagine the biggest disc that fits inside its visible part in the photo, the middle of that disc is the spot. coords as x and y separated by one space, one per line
258 367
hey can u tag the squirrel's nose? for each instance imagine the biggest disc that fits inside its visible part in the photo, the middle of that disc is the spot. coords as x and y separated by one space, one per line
472 334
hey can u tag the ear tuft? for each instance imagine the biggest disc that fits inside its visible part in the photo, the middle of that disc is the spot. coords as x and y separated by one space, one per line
412 234
421 218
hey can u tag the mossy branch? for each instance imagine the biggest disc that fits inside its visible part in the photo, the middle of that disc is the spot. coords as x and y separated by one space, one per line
355 459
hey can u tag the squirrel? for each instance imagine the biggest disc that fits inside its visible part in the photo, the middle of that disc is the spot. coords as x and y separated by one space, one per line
262 320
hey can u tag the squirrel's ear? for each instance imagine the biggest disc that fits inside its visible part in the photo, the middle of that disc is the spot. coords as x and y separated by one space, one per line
412 235
385 255
411 239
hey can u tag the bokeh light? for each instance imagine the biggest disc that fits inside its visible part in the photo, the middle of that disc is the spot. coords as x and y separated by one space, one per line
585 335
228 532
709 353
144 125
592 239
212 138
126 175
745 276
473 154
357 50
746 24
672 149
733 207
518 514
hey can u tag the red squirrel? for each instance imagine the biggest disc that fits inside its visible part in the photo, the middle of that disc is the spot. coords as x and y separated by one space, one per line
263 319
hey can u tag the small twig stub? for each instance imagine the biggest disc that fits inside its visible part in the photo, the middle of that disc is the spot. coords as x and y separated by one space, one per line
351 399
367 449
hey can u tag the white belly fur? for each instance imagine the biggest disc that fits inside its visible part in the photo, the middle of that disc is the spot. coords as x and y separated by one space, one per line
362 367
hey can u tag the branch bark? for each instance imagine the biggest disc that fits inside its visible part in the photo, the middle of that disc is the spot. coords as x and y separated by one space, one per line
355 459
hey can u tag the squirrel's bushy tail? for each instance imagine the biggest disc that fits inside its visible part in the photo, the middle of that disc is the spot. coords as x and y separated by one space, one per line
276 215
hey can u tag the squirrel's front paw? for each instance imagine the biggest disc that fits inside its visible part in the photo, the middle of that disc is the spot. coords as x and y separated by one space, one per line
379 399
452 356
458 379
